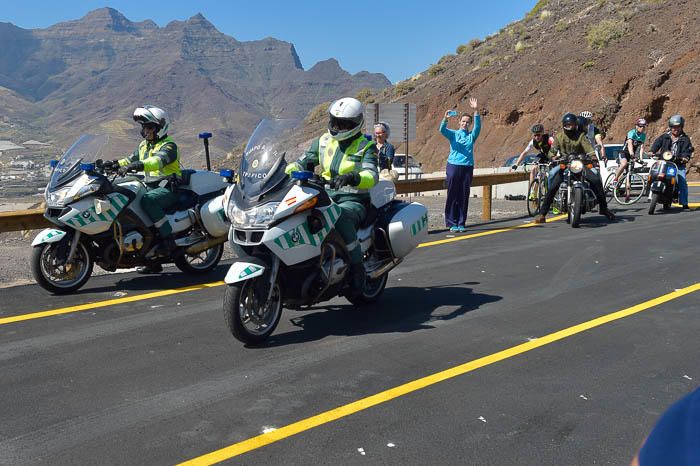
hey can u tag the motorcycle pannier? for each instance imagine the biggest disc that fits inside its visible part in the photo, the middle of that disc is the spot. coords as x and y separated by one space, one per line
406 225
213 217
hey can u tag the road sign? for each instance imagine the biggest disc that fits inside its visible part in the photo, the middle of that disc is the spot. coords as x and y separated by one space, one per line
401 119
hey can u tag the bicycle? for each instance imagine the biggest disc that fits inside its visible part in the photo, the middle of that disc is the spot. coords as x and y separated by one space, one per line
631 185
537 190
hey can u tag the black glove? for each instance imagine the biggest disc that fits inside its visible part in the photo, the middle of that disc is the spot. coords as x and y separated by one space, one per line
132 167
349 179
514 167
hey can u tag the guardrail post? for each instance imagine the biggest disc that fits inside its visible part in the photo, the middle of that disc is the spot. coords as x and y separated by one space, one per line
486 210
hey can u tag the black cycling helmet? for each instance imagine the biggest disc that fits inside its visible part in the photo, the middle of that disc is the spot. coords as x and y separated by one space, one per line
676 120
538 128
582 122
570 120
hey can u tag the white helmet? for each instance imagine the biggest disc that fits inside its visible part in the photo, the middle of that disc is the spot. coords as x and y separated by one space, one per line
586 114
155 115
346 118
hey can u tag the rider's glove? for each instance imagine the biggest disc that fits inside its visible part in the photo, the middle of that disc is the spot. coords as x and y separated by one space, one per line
514 167
349 179
132 167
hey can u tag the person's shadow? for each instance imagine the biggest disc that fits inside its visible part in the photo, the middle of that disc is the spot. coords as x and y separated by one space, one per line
399 309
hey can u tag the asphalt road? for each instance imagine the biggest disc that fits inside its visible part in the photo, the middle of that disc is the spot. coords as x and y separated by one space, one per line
124 372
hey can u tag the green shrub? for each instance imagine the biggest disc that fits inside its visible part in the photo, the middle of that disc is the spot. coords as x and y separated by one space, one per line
545 14
403 88
536 9
435 70
365 95
462 49
519 47
588 64
600 35
561 26
474 43
445 58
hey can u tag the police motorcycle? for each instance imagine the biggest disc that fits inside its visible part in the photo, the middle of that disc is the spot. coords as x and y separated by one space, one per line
99 220
664 182
289 253
575 196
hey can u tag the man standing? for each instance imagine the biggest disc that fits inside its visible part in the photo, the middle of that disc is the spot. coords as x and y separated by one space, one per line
460 166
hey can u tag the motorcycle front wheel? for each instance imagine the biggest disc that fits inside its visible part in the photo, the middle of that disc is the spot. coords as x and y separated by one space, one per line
203 262
250 319
576 207
52 273
654 200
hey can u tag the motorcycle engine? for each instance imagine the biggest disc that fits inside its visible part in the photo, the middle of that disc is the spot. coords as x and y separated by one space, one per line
132 242
339 270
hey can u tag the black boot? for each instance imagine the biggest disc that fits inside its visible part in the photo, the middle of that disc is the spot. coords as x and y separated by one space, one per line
167 247
149 268
357 277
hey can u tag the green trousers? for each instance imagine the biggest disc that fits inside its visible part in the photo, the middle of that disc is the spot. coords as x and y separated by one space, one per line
154 203
353 212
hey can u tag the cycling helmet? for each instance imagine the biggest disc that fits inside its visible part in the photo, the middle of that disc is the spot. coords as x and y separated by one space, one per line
155 115
538 128
582 122
345 118
587 115
641 122
676 120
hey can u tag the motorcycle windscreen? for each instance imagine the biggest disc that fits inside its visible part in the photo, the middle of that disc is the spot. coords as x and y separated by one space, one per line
87 149
263 162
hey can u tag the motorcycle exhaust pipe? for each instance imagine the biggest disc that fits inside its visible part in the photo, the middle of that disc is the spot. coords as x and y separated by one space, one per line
382 269
203 246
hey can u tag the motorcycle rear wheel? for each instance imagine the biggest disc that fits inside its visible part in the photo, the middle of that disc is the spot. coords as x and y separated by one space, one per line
57 277
371 292
249 320
205 261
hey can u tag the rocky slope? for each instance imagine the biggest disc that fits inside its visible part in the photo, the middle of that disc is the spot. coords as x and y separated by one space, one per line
89 74
621 59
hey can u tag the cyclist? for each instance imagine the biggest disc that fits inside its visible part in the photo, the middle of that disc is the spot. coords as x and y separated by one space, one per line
633 142
594 135
542 142
569 142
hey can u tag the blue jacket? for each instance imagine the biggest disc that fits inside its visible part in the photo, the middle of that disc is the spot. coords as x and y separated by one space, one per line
461 142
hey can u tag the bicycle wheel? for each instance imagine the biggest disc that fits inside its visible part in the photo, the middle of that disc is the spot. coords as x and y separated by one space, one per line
630 189
608 187
533 198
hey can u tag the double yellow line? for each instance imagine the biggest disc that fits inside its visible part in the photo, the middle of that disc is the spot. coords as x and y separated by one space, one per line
187 289
340 412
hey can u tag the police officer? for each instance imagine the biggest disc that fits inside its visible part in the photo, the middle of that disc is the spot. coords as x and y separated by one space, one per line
572 141
157 156
349 161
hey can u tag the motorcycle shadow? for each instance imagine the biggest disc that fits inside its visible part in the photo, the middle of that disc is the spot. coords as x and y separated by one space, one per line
400 309
170 278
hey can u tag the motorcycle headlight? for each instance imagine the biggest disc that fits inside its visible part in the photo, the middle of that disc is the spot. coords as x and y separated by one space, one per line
668 155
576 166
85 191
57 198
255 217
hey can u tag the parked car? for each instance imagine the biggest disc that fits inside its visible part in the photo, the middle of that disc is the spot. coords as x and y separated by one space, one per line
611 153
415 169
529 159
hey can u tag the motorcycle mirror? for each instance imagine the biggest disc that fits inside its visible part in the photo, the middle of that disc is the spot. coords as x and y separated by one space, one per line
205 139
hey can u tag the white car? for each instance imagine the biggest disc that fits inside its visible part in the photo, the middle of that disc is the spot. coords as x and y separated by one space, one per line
415 169
611 153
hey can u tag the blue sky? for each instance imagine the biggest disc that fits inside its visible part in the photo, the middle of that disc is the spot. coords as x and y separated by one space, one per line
397 38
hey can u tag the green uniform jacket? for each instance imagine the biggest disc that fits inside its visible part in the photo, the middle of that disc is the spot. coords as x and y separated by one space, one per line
564 145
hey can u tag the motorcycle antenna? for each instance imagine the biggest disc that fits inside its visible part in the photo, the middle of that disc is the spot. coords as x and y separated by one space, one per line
205 139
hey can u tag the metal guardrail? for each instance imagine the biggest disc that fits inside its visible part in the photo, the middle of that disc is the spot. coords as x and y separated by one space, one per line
34 218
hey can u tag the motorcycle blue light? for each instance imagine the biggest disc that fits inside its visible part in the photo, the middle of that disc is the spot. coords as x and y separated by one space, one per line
53 163
205 135
302 175
88 167
226 173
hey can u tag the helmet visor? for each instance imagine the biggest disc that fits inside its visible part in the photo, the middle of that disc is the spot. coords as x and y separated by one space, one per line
341 124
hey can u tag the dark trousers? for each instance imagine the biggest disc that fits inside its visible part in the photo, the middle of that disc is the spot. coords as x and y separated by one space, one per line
459 183
556 178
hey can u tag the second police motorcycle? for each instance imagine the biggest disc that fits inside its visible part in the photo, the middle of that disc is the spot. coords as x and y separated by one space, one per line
283 233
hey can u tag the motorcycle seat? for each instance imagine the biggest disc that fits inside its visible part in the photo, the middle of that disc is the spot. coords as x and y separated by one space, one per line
185 200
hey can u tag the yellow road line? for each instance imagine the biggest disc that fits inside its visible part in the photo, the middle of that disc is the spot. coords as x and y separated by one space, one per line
485 233
303 425
110 302
693 183
157 294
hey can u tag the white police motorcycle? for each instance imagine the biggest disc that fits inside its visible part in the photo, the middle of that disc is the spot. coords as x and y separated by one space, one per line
99 219
289 253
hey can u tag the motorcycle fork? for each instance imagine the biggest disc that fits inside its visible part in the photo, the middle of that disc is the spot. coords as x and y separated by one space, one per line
273 276
73 247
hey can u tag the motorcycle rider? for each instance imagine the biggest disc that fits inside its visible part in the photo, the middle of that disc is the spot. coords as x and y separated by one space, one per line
594 135
634 141
349 161
542 142
678 142
158 157
572 141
